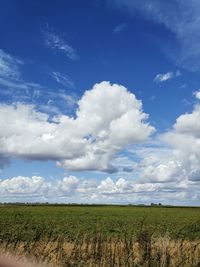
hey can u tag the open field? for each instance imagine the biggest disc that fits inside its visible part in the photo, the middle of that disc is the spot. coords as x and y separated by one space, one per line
103 235
27 222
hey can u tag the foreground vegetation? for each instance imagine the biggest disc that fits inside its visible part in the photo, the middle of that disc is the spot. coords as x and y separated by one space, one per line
103 235
83 251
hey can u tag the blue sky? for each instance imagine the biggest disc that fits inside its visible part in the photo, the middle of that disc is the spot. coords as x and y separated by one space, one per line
77 80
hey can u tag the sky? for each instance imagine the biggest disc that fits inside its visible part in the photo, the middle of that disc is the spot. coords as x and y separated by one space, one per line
100 101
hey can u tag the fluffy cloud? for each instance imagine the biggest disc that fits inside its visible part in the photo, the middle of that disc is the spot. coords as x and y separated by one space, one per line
168 170
177 158
108 119
162 173
22 186
197 94
185 141
107 190
68 185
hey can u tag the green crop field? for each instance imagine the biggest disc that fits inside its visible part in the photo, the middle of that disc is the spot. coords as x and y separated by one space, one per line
102 235
26 222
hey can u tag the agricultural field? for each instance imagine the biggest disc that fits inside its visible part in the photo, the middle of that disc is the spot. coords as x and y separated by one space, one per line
102 235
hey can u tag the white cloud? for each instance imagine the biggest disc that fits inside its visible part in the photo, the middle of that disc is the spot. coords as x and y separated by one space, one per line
185 141
166 76
177 158
107 190
197 94
168 170
56 43
181 18
21 185
68 185
162 173
108 119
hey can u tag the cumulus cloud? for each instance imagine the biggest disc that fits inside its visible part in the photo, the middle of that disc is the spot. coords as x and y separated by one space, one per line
36 187
21 185
168 170
108 119
68 185
185 141
106 190
181 18
177 158
56 43
162 173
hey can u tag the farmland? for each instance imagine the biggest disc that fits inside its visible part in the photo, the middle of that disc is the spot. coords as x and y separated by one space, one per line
92 235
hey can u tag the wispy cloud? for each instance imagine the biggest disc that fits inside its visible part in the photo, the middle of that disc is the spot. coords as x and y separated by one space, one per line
10 73
9 66
54 42
163 77
62 79
15 89
119 28
181 18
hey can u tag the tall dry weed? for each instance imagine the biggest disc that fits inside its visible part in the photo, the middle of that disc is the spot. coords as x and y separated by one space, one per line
143 251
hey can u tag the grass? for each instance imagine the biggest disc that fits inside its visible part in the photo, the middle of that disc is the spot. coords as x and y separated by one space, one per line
103 235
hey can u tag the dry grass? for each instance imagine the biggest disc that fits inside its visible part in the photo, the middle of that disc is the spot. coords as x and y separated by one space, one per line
144 251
